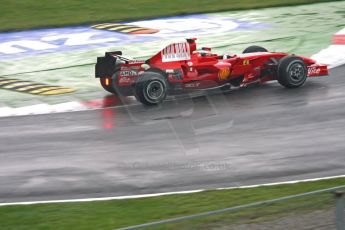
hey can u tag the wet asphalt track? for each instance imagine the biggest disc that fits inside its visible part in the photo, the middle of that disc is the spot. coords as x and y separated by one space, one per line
248 136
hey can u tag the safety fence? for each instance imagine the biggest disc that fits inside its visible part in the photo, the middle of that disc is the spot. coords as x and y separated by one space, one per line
318 210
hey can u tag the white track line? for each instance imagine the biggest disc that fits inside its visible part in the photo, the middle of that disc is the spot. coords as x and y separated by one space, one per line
100 198
66 107
163 194
285 182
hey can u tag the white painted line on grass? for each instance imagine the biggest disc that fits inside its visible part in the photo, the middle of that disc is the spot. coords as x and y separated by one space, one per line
285 182
163 194
99 198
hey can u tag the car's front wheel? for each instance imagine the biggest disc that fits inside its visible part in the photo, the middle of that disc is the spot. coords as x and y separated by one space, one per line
292 72
151 88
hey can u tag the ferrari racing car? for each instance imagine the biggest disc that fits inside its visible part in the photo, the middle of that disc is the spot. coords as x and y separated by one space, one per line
180 66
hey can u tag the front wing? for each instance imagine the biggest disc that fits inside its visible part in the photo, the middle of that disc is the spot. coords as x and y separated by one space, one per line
317 70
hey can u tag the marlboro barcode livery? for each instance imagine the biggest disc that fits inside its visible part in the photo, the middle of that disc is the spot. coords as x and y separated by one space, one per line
180 66
176 52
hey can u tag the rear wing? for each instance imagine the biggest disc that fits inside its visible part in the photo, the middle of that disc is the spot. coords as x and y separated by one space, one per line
106 66
111 62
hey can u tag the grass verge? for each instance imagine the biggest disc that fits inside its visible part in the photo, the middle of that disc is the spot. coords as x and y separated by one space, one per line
121 213
28 14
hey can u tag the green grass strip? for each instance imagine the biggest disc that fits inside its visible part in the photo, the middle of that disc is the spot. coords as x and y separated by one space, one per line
122 213
28 14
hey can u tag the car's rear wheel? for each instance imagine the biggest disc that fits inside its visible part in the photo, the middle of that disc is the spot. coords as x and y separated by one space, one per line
253 49
292 72
151 88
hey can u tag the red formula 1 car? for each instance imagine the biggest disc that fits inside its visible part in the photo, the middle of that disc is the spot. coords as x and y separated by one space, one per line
180 66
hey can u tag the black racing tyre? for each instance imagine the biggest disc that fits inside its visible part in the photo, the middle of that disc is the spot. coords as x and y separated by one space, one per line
253 49
151 88
107 84
292 72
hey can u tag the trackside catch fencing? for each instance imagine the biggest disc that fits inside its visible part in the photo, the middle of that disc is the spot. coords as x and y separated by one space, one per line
321 209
